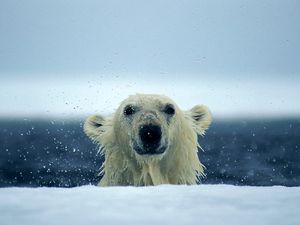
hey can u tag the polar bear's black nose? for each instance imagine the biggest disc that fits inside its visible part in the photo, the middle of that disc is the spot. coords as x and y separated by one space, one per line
150 136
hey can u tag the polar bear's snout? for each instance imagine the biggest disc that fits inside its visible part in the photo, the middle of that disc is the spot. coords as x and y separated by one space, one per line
150 136
150 140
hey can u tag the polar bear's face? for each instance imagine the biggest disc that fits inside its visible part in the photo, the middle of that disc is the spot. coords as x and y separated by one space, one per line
147 124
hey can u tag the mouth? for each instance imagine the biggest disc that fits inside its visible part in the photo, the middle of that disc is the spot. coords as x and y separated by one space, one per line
149 150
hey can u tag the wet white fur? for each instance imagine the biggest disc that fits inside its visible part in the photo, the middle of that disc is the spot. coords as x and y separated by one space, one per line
123 166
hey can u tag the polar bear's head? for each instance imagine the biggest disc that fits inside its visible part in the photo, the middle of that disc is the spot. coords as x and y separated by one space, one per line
148 126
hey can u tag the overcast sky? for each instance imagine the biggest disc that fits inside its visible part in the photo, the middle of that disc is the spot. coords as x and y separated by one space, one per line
75 57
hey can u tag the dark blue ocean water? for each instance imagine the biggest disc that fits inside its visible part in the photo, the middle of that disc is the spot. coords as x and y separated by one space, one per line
57 153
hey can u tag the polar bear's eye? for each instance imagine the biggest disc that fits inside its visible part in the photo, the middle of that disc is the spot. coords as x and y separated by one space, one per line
169 109
129 110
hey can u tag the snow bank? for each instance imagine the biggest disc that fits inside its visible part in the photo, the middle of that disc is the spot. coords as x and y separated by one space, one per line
166 204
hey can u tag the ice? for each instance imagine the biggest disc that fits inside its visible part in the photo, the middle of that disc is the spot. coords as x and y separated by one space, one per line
166 204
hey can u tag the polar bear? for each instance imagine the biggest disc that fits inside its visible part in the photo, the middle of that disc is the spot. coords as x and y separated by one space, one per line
149 141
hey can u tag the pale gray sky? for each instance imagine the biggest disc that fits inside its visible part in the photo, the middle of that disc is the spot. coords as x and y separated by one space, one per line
72 57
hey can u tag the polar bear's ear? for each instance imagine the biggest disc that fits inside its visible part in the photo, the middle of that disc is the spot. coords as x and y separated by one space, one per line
93 126
201 118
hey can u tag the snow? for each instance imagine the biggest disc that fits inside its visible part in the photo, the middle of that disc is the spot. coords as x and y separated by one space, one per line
166 204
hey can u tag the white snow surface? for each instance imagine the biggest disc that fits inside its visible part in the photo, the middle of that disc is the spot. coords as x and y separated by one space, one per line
166 204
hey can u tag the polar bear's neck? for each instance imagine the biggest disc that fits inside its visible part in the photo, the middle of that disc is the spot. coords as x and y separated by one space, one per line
151 174
180 166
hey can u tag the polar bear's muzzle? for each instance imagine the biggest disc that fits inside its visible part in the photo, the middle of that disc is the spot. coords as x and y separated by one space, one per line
150 140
